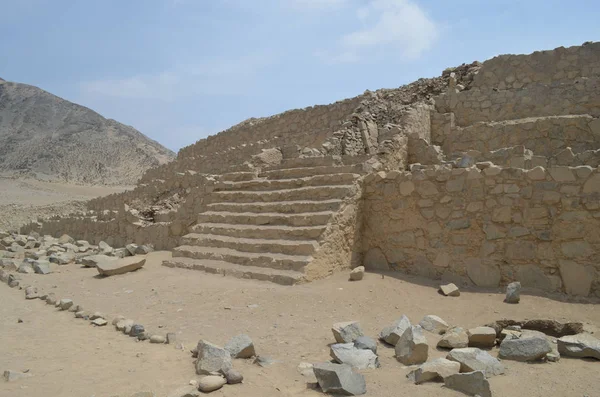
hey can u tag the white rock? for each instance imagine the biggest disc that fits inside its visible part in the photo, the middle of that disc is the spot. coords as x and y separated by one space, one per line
433 324
482 337
357 274
211 383
435 370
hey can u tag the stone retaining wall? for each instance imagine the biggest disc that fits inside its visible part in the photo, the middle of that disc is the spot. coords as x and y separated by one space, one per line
488 227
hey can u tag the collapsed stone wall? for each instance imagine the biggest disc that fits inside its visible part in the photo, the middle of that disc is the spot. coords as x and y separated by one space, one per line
487 226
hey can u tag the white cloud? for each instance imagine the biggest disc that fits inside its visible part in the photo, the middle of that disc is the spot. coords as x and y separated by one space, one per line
392 26
218 76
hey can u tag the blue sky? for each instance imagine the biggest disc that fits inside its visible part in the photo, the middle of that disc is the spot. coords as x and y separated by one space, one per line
179 70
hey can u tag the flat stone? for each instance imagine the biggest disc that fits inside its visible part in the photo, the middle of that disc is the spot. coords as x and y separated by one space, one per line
455 337
240 346
347 353
211 383
474 359
212 358
470 383
233 377
392 333
482 337
450 289
93 260
412 347
524 348
357 274
580 345
100 322
513 292
366 343
346 332
157 339
65 304
339 379
120 266
11 376
433 323
435 370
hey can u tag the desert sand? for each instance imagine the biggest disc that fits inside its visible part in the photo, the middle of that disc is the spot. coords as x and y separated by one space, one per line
70 357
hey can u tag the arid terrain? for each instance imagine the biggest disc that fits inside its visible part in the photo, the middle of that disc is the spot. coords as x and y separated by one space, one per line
70 357
23 199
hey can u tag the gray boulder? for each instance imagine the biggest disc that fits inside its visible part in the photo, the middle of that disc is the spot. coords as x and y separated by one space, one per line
392 333
41 267
233 377
131 248
366 343
346 332
347 353
240 346
65 304
525 348
136 330
357 274
433 324
455 337
339 379
212 358
470 383
513 292
580 345
412 347
435 370
105 248
143 250
474 359
25 268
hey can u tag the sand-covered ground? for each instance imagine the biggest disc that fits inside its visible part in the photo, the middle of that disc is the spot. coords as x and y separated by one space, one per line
70 357
24 200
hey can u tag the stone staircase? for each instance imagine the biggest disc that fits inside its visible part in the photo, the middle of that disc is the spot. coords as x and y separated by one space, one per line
269 226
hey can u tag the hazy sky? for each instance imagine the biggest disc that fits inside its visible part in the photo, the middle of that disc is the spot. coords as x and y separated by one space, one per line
179 70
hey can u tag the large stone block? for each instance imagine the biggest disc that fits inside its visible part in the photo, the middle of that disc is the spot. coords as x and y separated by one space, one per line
577 278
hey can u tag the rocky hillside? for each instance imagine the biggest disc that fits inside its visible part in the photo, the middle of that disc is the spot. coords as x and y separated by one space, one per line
47 137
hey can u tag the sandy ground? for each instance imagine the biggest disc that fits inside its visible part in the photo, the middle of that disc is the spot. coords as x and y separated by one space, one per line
69 357
24 200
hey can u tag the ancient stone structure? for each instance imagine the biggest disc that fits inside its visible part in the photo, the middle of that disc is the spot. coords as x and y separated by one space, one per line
487 174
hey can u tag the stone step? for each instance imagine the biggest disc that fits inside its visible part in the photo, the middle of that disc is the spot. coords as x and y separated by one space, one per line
267 218
300 162
264 232
283 277
257 245
283 207
302 172
238 176
269 260
279 184
303 193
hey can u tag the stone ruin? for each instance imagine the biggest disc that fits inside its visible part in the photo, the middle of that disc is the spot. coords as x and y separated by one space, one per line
486 175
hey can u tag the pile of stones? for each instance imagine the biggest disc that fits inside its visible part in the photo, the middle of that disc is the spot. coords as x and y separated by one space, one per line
469 362
33 253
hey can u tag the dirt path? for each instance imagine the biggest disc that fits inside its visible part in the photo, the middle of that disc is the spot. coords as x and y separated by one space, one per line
69 357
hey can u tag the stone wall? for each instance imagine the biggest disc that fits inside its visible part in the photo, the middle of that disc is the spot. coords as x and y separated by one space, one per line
488 227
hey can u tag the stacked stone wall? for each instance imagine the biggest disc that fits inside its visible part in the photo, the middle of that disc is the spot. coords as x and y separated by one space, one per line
488 227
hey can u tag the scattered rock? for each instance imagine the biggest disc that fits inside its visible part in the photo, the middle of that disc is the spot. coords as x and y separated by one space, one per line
450 289
65 304
11 376
471 383
474 359
211 383
357 274
25 268
434 324
347 353
136 330
97 315
100 322
171 338
157 339
31 293
93 260
51 299
455 337
120 266
105 248
366 343
339 379
306 369
41 267
548 327
13 281
240 346
82 314
412 347
66 239
513 292
62 258
482 337
75 308
264 361
346 332
392 334
435 370
143 250
526 348
580 345
212 358
117 319
233 377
